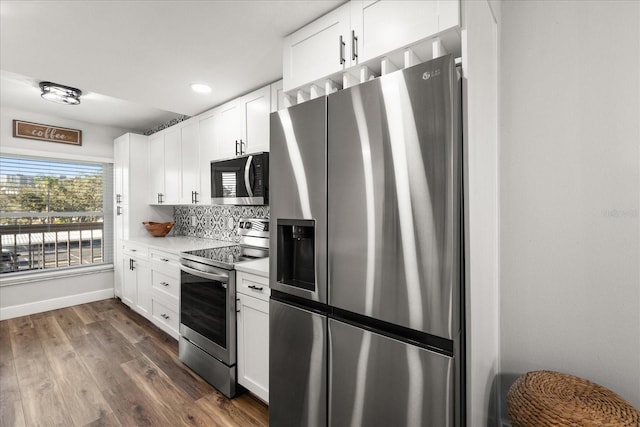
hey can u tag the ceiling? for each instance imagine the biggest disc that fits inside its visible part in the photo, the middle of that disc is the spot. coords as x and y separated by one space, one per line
134 60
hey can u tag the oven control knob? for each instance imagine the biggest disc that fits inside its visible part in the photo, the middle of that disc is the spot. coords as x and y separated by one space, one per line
247 225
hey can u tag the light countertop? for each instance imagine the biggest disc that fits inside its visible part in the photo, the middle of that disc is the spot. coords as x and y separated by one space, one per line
259 267
177 244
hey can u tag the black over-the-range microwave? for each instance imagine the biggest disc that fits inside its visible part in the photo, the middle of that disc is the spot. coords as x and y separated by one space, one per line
241 180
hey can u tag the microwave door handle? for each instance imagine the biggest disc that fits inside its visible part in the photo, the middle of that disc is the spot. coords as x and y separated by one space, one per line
247 182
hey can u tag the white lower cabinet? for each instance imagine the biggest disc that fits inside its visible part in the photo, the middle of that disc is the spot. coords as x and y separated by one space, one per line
136 278
165 291
253 333
151 285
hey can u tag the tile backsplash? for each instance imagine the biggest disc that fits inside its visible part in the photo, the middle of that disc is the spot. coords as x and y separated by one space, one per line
215 221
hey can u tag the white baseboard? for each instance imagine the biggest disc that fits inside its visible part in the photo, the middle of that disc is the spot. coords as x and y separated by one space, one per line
54 303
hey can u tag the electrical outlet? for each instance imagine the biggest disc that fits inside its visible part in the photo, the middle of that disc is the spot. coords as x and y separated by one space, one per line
194 220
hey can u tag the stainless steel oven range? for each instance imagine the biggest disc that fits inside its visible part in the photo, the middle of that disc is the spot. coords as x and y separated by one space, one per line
208 304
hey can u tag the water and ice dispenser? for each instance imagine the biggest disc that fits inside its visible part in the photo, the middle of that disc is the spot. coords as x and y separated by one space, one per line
296 253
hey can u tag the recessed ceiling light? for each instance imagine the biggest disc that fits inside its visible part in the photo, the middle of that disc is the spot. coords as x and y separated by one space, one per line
60 93
200 88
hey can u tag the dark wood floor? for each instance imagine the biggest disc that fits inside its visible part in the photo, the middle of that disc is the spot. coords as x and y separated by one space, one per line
101 364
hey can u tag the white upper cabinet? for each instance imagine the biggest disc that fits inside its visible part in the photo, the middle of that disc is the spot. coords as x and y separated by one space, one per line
190 162
277 96
319 49
228 130
207 125
121 169
165 166
359 32
255 110
243 125
172 166
156 167
382 26
448 14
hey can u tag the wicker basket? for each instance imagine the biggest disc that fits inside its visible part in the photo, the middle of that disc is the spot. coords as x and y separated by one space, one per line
546 398
158 229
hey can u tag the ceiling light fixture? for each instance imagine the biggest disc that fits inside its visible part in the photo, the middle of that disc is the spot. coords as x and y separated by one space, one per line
200 88
60 93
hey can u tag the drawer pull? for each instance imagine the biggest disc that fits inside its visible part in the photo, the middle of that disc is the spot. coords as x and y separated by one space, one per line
134 250
164 283
164 259
257 288
165 316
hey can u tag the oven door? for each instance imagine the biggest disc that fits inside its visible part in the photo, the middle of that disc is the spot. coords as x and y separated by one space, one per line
208 309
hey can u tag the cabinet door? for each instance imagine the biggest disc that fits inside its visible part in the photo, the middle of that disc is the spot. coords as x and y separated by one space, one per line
207 137
315 51
253 345
277 96
172 164
156 166
255 110
190 165
228 134
448 14
121 169
143 287
384 25
129 282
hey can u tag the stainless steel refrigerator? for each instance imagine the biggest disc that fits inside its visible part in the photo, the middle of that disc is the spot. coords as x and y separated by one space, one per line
366 209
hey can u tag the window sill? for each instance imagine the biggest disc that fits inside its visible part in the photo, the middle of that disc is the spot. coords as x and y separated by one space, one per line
30 277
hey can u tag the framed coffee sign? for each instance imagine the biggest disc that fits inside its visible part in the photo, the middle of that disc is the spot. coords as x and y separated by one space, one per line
46 133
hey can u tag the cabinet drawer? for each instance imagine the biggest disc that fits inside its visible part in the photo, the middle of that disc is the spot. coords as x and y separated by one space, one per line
165 283
162 256
165 315
253 285
135 250
166 262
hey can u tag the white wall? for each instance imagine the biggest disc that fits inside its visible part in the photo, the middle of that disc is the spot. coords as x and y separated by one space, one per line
50 293
570 190
480 55
97 141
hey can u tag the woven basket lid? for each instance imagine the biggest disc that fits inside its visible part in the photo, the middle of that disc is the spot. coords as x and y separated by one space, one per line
546 398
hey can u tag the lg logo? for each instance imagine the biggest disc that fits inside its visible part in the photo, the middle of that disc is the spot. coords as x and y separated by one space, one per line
428 74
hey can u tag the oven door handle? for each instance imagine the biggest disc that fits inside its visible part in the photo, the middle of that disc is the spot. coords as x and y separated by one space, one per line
218 277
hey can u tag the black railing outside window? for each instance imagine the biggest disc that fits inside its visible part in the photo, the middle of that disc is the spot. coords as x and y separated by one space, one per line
52 214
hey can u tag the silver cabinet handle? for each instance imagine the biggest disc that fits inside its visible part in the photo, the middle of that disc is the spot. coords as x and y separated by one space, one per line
238 305
354 46
165 316
118 198
257 288
237 150
119 210
164 260
134 250
247 169
243 147
341 51
195 197
164 284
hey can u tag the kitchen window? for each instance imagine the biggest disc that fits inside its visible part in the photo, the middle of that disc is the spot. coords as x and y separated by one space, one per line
54 215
